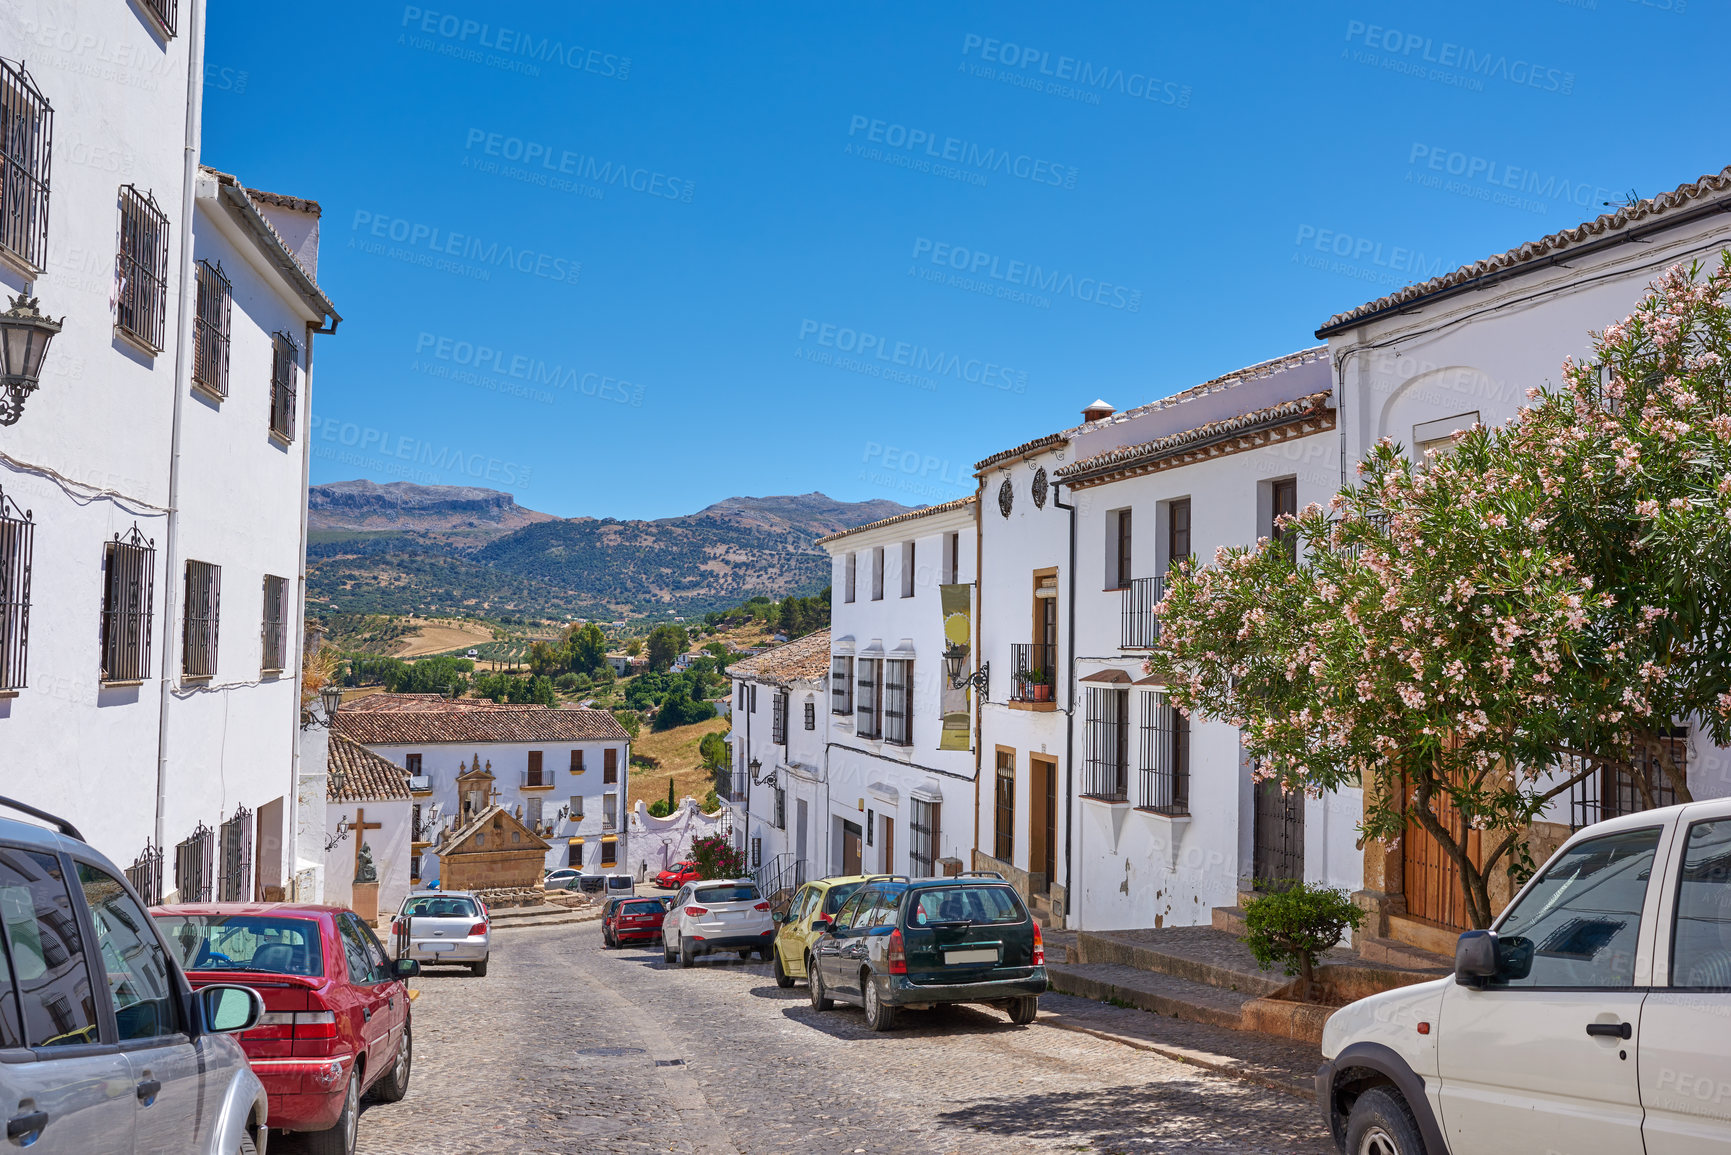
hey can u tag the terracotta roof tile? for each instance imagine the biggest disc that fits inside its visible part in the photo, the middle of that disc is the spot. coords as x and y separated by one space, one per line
474 722
366 776
1131 456
803 659
1026 447
912 514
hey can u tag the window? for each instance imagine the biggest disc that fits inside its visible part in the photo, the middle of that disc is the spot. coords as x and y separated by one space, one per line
574 854
923 854
273 628
140 977
1164 785
363 967
26 130
141 270
17 542
575 802
867 724
1177 531
610 766
1435 438
576 761
412 764
1118 571
210 330
778 718
535 776
128 590
1610 791
780 808
741 695
47 953
850 567
907 569
810 715
532 813
878 574
165 12
199 625
1701 934
284 357
898 705
288 946
1284 495
751 698
609 811
1004 845
1105 768
952 558
1577 926
841 684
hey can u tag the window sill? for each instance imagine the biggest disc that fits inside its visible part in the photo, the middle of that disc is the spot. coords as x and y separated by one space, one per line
1041 707
185 678
5 694
1114 589
18 264
1101 801
542 786
271 672
136 341
210 392
281 438
108 685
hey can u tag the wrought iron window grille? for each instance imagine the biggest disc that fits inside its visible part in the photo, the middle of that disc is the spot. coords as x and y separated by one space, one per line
211 329
1164 771
202 617
285 358
166 13
1105 767
274 629
1033 672
141 270
128 606
17 544
145 874
193 876
26 137
235 841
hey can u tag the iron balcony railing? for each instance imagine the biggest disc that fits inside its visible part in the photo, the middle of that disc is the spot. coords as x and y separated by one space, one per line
1140 625
537 778
1033 672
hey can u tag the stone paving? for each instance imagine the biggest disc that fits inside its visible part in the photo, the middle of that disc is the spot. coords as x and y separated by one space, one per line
566 1047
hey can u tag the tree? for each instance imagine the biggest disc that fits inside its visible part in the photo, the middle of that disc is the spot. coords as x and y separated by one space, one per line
666 642
632 722
678 709
587 647
713 749
633 648
545 659
792 616
1293 926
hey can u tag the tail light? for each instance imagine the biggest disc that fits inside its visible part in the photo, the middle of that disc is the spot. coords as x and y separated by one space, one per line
697 911
315 1025
1039 947
478 928
273 1025
396 928
897 954
761 906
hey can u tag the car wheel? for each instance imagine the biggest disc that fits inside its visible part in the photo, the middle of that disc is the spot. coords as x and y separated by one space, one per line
819 1000
687 954
782 978
744 954
479 970
395 1083
246 1145
880 1016
1023 1010
666 951
340 1139
1382 1124
607 940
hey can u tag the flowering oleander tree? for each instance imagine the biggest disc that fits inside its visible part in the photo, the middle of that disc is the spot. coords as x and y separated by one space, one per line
1469 636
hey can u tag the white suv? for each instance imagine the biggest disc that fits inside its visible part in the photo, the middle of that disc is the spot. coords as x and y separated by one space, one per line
717 914
1595 1016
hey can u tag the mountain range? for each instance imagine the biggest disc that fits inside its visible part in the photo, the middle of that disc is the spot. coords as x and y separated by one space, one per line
434 549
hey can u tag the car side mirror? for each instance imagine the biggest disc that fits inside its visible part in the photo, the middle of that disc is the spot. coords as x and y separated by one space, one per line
227 1009
405 968
1476 958
777 916
822 923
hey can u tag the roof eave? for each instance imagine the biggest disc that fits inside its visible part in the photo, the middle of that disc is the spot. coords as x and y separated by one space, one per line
270 245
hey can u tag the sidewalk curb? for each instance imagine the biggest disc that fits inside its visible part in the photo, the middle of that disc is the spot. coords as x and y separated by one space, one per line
1193 1058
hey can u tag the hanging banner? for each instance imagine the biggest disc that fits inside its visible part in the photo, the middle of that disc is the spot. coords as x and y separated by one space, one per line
957 604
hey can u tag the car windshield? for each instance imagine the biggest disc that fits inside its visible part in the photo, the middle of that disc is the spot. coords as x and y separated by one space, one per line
242 942
440 906
967 904
839 894
733 892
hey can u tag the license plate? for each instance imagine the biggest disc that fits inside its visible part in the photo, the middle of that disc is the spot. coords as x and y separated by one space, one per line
963 957
438 947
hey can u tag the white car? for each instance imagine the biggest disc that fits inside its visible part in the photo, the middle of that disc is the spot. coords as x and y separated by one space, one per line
1594 1017
717 914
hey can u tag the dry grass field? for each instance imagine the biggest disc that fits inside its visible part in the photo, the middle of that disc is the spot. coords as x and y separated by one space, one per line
676 750
438 636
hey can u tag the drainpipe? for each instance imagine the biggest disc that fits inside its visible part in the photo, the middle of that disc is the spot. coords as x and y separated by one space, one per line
182 326
979 653
1069 715
297 639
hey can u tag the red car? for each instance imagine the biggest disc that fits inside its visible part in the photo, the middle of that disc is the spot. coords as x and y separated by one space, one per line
632 920
677 875
336 1022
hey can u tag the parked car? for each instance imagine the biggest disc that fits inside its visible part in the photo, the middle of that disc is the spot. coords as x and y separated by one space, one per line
565 878
717 914
631 919
154 1066
1590 1017
795 935
447 927
336 1008
677 875
899 944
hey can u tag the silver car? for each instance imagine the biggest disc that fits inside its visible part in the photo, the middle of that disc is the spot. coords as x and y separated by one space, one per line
717 914
149 1068
446 927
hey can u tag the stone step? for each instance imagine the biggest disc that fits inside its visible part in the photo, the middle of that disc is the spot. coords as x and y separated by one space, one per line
1196 954
1231 920
1400 954
1149 991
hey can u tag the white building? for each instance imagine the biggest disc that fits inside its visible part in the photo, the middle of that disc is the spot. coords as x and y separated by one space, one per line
367 806
900 759
778 794
152 525
563 772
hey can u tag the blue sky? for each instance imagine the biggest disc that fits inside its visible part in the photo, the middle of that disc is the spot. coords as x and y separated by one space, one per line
629 260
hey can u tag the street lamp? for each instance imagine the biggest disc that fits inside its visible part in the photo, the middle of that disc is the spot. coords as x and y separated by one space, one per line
331 697
24 337
955 659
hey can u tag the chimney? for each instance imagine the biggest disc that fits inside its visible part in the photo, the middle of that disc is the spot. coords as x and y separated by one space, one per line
1098 411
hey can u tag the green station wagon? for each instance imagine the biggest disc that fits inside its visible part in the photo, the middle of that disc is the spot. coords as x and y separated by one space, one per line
913 944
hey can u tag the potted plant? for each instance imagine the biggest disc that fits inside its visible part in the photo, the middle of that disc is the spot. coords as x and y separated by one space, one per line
1042 688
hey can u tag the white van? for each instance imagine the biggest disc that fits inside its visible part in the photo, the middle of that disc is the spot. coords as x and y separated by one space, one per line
1594 1017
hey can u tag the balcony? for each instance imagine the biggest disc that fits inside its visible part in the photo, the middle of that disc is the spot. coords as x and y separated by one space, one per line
538 780
1033 672
1141 628
420 784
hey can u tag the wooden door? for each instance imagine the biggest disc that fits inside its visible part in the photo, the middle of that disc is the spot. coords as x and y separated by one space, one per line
1279 836
1042 818
889 843
850 848
1431 878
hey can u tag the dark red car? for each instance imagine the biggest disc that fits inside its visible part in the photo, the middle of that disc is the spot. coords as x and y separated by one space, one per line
632 920
336 1022
677 875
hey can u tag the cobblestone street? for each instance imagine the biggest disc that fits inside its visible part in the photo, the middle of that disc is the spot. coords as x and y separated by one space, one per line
565 1046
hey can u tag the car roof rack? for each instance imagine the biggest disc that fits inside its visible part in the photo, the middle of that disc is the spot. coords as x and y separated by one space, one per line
53 820
980 874
871 878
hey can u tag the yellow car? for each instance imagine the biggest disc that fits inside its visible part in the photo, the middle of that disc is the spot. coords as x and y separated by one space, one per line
795 935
